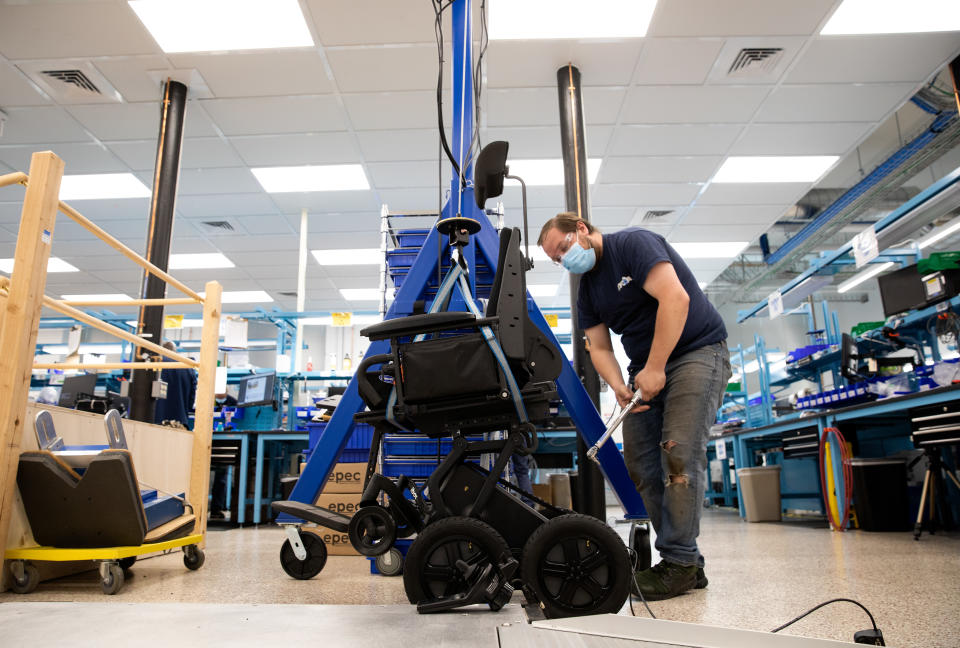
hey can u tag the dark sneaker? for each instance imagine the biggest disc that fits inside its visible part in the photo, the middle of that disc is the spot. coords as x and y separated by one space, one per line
701 579
664 580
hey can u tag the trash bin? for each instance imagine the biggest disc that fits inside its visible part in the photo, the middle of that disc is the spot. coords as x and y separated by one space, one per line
760 490
880 494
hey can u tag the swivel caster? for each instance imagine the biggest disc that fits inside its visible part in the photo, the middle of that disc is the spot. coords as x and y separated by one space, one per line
26 577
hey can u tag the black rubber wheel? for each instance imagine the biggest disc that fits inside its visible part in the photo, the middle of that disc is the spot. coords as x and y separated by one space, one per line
193 557
576 565
641 544
29 582
313 564
430 570
390 563
372 530
127 563
113 581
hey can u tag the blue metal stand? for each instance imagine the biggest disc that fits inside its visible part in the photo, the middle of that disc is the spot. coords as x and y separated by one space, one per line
486 246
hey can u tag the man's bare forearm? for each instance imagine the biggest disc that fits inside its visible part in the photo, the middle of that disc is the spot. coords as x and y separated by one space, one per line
671 318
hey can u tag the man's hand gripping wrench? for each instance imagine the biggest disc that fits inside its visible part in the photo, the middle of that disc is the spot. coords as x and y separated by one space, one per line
634 402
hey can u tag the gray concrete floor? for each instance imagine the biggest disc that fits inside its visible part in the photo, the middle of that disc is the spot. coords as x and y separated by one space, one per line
761 575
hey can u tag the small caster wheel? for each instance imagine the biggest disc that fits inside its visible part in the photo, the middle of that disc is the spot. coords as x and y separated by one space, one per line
193 557
390 563
311 565
112 581
28 581
372 530
127 563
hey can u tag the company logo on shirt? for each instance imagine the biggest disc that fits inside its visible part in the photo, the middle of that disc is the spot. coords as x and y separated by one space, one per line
623 282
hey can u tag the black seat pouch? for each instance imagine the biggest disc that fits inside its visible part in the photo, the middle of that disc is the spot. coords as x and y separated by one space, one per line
445 367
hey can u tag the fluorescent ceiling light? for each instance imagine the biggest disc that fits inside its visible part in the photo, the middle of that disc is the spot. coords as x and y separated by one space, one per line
221 25
536 252
245 297
927 241
102 185
102 297
541 19
355 320
710 249
858 279
54 264
365 256
196 261
99 349
770 168
543 290
893 17
332 177
549 172
362 294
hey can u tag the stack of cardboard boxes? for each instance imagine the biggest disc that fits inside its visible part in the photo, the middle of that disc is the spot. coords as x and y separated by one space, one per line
342 495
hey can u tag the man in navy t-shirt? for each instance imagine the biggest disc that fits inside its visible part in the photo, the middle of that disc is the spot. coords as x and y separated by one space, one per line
636 285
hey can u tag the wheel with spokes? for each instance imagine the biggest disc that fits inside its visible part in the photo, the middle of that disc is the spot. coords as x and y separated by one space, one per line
372 530
576 565
430 569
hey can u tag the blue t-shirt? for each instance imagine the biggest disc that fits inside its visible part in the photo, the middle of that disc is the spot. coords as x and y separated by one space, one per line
612 294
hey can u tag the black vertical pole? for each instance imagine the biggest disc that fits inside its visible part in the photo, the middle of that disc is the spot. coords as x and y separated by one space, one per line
160 229
576 184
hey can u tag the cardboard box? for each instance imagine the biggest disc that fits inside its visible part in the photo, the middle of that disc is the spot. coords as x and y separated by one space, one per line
338 544
342 503
346 478
543 491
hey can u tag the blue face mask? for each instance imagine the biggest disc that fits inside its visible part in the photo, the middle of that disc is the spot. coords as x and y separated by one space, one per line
578 259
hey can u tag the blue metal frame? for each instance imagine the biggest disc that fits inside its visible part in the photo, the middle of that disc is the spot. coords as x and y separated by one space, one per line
486 244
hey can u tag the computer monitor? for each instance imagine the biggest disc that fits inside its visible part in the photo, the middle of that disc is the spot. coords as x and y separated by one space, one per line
850 359
256 389
74 386
901 291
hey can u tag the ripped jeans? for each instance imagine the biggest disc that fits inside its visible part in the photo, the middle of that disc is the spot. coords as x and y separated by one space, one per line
665 448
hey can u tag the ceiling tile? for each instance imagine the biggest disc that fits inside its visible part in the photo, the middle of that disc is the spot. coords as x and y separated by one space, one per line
15 89
676 61
393 175
800 139
62 30
136 121
636 194
392 145
674 139
259 73
741 232
202 152
223 206
327 202
290 150
743 18
760 193
517 64
389 110
351 23
265 224
721 215
685 104
385 69
130 75
236 180
658 169
400 200
534 142
539 106
832 103
873 59
260 115
114 209
41 125
78 158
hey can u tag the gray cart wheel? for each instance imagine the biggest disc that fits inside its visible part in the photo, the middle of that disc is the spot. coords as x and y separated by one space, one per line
193 557
29 581
113 581
390 563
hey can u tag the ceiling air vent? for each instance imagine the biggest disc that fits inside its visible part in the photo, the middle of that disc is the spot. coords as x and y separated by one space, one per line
73 77
755 61
288 293
654 215
220 225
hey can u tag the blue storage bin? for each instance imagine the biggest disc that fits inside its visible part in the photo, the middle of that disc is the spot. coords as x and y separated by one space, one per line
412 237
354 456
402 257
361 438
409 466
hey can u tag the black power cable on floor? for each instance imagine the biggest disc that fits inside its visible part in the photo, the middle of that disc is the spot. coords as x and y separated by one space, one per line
872 637
633 561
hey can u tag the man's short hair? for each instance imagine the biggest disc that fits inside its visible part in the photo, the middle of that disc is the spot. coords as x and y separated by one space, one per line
169 345
565 222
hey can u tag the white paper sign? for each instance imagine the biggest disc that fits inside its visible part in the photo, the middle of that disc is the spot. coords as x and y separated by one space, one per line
865 247
234 333
240 359
283 364
220 382
775 304
721 447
